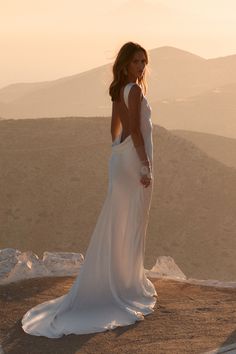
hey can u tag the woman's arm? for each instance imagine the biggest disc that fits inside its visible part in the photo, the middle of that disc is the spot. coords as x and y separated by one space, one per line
134 98
115 122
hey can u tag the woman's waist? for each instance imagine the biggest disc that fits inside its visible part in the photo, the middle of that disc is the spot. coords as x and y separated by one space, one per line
118 146
128 145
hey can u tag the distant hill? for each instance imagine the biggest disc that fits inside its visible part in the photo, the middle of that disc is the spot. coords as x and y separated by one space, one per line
183 88
54 178
219 147
211 112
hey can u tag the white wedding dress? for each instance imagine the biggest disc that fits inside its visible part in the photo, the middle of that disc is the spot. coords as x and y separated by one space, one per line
111 288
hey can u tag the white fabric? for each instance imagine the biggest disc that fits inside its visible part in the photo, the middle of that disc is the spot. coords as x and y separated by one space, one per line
126 93
111 288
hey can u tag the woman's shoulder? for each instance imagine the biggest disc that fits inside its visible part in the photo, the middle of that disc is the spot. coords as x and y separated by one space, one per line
136 90
133 86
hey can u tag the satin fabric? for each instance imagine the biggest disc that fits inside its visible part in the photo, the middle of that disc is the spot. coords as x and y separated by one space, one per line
111 289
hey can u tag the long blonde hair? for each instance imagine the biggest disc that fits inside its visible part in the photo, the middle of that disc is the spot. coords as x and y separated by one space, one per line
123 58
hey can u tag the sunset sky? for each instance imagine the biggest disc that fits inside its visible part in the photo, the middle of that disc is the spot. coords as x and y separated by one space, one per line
48 39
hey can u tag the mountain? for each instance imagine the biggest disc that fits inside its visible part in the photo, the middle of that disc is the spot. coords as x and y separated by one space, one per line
211 112
54 178
83 94
183 88
219 147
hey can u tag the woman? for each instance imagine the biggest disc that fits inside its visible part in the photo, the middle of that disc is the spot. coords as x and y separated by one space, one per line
111 289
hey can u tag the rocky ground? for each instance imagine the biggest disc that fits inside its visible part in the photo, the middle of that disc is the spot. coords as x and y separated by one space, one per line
188 319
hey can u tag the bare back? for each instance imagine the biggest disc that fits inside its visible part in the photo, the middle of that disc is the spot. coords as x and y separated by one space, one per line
123 113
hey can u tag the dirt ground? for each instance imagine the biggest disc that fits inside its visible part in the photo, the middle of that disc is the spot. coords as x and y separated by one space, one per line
188 319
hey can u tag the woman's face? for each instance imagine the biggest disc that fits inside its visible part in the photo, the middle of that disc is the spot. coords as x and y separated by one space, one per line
136 67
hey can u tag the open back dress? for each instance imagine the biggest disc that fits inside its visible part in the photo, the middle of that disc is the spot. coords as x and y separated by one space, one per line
111 289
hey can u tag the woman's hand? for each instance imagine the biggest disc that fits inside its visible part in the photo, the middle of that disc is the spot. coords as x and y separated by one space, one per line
146 180
146 173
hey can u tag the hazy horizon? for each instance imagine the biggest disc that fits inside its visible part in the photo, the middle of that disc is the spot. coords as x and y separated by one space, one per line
54 40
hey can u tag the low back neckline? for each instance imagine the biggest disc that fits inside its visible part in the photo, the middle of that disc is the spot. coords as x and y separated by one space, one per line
118 141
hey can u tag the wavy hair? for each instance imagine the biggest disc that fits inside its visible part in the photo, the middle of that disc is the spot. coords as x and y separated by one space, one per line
123 58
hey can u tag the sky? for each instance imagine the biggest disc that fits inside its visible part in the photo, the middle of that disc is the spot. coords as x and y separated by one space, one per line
49 39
